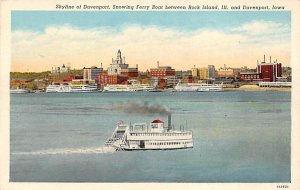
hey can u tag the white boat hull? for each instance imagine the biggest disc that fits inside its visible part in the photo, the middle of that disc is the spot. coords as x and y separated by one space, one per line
127 88
19 91
198 87
71 88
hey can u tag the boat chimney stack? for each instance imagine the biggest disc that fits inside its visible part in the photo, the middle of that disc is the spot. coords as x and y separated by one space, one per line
169 121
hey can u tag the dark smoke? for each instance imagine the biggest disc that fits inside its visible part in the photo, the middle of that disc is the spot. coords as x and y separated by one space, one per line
143 108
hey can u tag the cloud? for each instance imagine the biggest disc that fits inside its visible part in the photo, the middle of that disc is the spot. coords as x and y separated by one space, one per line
262 27
143 46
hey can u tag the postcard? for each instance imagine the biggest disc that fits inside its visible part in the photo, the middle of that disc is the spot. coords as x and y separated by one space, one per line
149 94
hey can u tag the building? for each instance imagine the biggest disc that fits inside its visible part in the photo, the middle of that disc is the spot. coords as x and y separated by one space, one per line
105 79
195 72
188 79
119 67
118 72
270 72
19 82
82 81
211 71
162 72
58 70
130 72
236 72
92 73
203 73
250 77
265 72
163 76
225 72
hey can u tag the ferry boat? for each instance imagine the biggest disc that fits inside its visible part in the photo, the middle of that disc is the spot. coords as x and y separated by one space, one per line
19 91
199 87
127 87
71 88
155 136
58 88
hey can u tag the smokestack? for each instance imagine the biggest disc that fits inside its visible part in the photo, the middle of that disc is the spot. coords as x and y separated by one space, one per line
169 122
137 66
264 58
270 60
157 64
101 65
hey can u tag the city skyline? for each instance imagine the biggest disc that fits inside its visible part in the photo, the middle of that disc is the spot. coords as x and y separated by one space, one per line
179 39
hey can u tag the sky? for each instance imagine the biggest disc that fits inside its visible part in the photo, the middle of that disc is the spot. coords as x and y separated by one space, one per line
45 39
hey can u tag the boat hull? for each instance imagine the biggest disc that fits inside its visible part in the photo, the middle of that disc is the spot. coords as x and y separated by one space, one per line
71 88
19 91
130 149
198 87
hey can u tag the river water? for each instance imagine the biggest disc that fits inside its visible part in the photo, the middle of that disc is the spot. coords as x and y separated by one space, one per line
239 136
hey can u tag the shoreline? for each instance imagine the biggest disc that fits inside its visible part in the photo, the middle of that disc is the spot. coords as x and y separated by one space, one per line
256 88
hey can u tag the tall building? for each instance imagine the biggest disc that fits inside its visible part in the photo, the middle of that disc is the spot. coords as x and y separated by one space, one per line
211 71
118 72
203 73
117 65
270 72
195 72
91 73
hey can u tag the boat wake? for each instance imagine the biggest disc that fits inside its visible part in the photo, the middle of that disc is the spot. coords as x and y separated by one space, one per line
93 150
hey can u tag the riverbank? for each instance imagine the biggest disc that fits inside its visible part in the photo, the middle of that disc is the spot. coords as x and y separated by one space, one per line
257 88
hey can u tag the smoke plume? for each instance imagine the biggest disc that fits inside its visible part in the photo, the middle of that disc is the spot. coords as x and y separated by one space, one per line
143 108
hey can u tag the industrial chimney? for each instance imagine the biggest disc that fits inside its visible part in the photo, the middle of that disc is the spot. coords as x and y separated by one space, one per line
169 121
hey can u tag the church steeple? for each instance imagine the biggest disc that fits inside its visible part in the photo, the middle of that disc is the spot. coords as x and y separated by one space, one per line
117 65
119 57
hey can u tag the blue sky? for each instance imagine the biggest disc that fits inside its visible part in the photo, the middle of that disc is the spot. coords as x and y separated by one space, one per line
39 20
43 39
